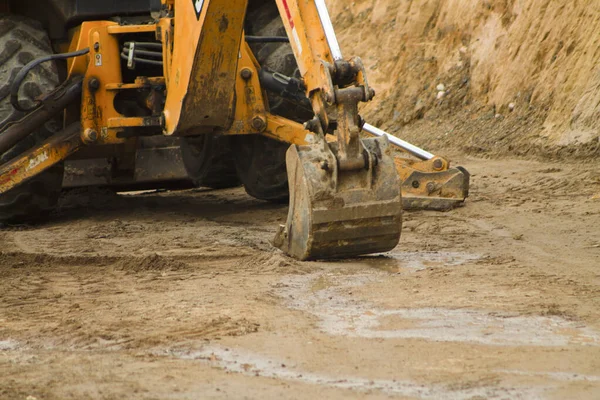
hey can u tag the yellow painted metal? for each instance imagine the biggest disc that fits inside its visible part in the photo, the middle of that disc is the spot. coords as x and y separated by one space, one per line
406 166
288 131
40 158
102 65
203 75
132 122
203 67
432 184
165 33
122 29
138 84
307 39
250 109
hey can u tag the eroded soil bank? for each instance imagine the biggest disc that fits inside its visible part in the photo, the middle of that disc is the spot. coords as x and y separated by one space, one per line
509 77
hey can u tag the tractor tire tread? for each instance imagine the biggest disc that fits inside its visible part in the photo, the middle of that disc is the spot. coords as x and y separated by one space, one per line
21 41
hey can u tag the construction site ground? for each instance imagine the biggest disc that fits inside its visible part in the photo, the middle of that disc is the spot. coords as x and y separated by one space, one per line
180 295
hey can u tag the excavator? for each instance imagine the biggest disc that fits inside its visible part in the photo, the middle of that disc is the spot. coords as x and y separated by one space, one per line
140 94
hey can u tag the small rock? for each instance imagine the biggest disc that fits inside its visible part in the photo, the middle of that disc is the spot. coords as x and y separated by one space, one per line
511 107
441 87
497 116
441 95
462 50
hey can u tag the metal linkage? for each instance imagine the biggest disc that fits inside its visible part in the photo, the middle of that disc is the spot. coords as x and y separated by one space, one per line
336 52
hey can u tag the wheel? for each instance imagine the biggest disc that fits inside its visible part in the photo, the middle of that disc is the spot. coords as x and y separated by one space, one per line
21 41
209 162
260 161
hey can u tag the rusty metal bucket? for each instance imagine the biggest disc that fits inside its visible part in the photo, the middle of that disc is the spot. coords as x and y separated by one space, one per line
335 213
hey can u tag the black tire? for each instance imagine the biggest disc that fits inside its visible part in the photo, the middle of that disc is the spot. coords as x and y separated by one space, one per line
209 161
260 161
21 41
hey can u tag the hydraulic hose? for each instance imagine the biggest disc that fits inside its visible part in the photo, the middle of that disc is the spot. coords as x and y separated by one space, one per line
14 90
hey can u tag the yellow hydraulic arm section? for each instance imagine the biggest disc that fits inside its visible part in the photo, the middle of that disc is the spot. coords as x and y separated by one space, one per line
210 84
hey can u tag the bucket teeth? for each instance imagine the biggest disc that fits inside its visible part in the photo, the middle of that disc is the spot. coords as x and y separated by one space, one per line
335 213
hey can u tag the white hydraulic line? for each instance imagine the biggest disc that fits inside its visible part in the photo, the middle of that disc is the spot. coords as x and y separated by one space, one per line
409 148
334 46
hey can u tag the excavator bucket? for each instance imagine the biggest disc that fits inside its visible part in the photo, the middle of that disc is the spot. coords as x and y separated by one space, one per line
335 213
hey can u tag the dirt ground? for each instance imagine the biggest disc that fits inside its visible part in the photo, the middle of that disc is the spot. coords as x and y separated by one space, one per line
179 295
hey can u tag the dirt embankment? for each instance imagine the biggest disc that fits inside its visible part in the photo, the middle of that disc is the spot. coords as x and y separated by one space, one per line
503 77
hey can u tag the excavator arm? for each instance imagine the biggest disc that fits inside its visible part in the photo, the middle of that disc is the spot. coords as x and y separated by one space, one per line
345 194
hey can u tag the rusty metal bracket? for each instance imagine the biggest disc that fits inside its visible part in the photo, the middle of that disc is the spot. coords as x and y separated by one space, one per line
51 105
53 150
432 184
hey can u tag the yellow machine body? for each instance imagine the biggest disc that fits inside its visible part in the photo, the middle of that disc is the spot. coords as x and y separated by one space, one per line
345 196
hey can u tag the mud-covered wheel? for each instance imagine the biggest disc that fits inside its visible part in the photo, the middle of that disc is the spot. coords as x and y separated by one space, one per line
260 161
209 161
21 41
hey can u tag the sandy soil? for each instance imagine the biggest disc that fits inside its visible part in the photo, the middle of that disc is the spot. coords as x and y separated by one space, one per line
180 295
503 76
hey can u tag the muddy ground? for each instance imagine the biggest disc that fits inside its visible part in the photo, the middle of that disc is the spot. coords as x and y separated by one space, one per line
179 295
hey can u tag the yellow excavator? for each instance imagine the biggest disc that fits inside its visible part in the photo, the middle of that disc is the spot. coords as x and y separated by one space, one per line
138 94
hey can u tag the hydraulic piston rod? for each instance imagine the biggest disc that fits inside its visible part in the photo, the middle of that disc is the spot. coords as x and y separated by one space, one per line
332 41
409 148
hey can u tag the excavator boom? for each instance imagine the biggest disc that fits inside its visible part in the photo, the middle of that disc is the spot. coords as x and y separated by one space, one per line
191 73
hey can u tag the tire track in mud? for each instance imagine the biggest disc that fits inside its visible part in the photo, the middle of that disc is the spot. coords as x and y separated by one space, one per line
252 364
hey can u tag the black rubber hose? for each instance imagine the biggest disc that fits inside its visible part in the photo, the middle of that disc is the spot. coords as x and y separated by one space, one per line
267 39
14 89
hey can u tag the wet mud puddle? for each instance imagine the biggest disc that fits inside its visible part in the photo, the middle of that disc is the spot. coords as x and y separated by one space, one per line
325 295
410 261
254 364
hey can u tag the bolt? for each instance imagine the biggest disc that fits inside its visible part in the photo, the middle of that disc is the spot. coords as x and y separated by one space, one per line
329 98
438 164
258 123
430 187
96 46
94 84
416 184
246 74
371 93
90 136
